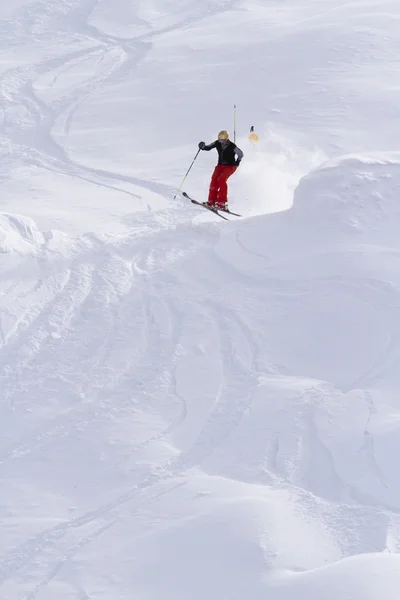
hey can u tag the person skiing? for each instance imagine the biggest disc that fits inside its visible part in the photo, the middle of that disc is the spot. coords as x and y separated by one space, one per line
229 157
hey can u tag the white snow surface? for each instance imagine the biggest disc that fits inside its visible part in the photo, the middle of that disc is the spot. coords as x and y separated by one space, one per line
192 408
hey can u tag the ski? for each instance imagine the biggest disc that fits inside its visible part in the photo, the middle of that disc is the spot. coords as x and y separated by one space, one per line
231 213
214 210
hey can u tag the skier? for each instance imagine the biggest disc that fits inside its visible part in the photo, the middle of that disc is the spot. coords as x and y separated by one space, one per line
227 165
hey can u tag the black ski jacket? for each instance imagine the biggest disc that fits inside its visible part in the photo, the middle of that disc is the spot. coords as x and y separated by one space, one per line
226 155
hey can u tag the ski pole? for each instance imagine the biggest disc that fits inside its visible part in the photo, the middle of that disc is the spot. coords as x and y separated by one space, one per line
187 173
234 123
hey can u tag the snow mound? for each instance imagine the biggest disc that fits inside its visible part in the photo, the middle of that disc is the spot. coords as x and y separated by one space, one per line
365 577
226 541
19 234
352 195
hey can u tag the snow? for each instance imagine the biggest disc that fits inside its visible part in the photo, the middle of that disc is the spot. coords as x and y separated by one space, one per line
189 407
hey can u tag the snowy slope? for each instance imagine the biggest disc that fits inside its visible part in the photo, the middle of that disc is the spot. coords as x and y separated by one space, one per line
192 408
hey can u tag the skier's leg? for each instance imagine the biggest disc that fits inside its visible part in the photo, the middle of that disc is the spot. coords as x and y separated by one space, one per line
213 191
222 196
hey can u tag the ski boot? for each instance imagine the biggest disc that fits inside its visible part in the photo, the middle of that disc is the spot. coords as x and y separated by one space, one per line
209 204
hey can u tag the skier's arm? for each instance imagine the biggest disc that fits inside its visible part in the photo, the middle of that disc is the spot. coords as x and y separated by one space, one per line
239 154
206 147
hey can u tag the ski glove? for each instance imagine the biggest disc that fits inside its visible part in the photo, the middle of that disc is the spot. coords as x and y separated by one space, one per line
202 145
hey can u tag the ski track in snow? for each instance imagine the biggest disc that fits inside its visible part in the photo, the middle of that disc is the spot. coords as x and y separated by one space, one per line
114 295
30 138
93 341
123 288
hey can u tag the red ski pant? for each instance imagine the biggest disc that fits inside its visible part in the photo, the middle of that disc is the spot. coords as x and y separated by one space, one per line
218 184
